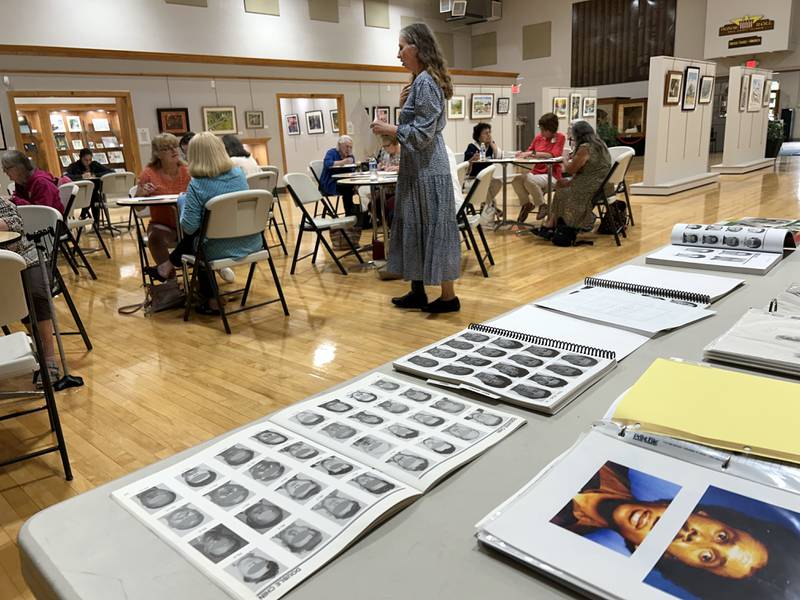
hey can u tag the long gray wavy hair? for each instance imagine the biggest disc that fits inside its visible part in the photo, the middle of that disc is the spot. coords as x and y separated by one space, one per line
584 133
429 53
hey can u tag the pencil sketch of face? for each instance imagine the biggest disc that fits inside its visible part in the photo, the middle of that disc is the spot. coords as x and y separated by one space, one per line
755 230
236 455
731 241
734 228
184 518
510 370
423 361
339 431
579 360
373 485
471 336
228 494
683 302
366 418
463 432
449 406
394 407
301 451
409 462
270 438
713 227
416 395
526 361
507 343
736 253
735 259
334 466
427 419
254 568
492 380
217 543
402 431
693 226
485 418
438 445
373 446
531 391
299 538
457 370
308 418
564 370
788 338
300 487
336 406
442 353
474 361
541 351
711 239
459 344
198 476
266 470
363 396
549 380
338 506
690 255
690 238
752 242
262 516
156 497
490 352
388 386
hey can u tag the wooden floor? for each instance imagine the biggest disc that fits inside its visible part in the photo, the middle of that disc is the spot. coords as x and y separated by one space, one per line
157 385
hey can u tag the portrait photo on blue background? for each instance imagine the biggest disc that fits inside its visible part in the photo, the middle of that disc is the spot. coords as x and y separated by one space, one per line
617 508
732 547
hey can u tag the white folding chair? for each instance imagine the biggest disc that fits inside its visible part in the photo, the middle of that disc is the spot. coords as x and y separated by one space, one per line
67 193
276 197
462 169
304 192
233 215
18 356
116 186
11 188
622 156
267 180
316 167
80 216
468 219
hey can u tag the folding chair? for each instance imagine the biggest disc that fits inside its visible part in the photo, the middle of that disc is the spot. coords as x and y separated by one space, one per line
116 187
622 155
267 180
600 202
462 169
468 219
304 192
83 203
272 169
68 193
233 215
316 167
19 357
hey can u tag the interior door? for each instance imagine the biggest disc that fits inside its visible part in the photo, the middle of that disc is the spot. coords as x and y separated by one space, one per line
526 124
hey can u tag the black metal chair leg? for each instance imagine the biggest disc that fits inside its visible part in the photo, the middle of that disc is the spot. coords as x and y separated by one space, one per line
316 248
297 246
352 245
485 245
190 293
73 310
628 202
249 282
278 286
76 248
96 229
280 236
477 251
330 251
212 278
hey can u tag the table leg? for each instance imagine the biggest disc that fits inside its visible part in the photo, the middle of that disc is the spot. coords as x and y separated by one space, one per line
549 182
503 220
384 225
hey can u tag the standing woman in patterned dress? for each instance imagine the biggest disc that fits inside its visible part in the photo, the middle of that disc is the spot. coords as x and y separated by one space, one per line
425 246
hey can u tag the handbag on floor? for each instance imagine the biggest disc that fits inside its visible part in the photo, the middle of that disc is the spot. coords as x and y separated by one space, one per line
157 298
619 211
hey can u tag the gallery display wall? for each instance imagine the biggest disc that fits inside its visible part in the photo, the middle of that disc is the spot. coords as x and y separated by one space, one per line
679 116
570 104
746 121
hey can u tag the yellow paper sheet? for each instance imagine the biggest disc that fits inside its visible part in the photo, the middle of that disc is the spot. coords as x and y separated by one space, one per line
715 407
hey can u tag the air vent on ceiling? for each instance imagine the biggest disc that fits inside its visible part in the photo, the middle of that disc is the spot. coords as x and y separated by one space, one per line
471 12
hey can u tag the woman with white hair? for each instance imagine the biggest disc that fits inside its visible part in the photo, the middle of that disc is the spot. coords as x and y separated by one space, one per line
340 156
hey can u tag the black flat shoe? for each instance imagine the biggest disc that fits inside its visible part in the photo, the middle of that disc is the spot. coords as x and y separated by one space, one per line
152 273
442 306
411 300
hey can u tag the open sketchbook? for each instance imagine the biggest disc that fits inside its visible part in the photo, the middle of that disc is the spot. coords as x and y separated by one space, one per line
735 248
264 508
536 372
669 283
625 514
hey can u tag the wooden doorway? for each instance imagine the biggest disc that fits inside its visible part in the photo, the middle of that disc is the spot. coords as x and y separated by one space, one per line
300 133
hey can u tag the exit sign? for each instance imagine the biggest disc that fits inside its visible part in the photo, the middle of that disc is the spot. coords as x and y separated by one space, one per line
751 64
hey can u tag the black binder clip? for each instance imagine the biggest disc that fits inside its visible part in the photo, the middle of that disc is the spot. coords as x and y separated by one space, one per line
773 305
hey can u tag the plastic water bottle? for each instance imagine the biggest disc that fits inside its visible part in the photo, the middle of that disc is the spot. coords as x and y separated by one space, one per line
483 151
373 169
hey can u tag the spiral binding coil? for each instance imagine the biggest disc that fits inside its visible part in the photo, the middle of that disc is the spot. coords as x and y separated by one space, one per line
543 341
648 290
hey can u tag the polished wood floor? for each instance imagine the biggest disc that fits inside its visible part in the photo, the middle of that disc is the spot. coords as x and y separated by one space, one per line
157 385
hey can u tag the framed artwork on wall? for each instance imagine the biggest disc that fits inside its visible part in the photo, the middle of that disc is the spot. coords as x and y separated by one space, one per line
672 88
574 106
74 123
2 135
64 158
744 90
314 124
219 119
560 106
482 106
691 87
723 101
455 108
756 96
56 123
335 121
292 125
589 107
503 106
631 117
767 94
254 119
397 110
382 114
173 120
706 90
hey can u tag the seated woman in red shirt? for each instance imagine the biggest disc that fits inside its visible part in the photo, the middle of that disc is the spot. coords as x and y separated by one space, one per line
165 174
32 185
548 144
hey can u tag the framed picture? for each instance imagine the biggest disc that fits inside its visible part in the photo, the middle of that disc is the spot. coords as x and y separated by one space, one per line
74 123
574 106
109 141
100 146
76 156
77 144
706 90
100 125
61 142
455 108
57 123
173 120
482 106
101 158
64 158
292 125
382 114
314 124
335 121
589 107
254 119
691 87
219 119
397 110
756 96
560 106
723 101
767 93
116 157
672 88
91 145
631 117
743 91
503 106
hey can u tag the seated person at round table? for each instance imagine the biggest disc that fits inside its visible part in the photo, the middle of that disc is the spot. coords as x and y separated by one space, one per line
239 155
31 185
389 161
482 134
85 167
549 143
165 174
340 156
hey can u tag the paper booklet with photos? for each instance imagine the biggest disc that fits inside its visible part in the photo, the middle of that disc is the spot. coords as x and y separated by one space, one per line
736 248
261 510
536 372
625 514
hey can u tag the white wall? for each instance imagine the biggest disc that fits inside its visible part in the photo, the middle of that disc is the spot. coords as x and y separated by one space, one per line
745 132
721 12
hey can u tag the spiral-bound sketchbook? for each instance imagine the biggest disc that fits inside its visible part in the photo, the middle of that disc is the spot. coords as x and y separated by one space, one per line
713 286
535 372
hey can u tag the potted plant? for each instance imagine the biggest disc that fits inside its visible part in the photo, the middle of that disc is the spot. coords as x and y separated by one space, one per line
774 139
608 133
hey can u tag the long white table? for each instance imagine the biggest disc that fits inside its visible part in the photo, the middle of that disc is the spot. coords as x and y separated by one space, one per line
90 548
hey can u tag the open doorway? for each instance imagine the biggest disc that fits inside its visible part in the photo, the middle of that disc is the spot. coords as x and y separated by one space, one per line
310 125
